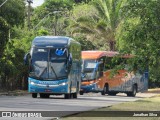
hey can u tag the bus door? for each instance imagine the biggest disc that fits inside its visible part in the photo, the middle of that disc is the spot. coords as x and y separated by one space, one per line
142 80
74 77
119 76
128 79
100 72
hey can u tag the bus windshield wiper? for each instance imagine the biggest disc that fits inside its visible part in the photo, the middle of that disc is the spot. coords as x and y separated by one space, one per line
42 72
54 72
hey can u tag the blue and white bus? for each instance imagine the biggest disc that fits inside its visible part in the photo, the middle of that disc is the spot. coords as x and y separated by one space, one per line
54 67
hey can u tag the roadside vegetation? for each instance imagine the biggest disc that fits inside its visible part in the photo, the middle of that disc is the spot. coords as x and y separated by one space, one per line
146 105
128 26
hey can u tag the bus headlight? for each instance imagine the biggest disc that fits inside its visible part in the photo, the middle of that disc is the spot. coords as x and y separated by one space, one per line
32 83
64 83
92 83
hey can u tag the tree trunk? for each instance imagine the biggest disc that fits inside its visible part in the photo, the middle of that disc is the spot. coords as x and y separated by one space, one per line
112 45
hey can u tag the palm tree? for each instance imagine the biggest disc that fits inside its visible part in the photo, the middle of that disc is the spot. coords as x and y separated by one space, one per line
103 25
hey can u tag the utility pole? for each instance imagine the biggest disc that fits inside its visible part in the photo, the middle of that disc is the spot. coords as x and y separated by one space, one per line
55 22
29 13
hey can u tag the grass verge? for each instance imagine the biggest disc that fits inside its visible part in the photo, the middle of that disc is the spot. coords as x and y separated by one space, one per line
143 107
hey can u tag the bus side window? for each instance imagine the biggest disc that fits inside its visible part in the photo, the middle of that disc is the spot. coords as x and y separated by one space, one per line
107 66
101 68
108 63
101 63
113 62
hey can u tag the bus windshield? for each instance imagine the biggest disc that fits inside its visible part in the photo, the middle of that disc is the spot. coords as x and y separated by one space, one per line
89 69
48 63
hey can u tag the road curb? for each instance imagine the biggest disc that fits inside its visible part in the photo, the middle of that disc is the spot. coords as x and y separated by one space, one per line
14 93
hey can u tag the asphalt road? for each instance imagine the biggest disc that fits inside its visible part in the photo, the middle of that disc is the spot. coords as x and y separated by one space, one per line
25 104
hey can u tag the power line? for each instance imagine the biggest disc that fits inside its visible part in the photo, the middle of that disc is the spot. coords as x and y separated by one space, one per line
54 12
3 3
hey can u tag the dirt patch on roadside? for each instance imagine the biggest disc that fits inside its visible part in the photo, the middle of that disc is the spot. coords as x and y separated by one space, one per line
149 93
156 90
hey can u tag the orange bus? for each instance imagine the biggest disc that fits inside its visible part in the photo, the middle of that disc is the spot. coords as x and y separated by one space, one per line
97 74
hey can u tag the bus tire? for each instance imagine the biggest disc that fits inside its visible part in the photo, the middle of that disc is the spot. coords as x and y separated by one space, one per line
112 93
77 90
81 92
133 92
75 95
34 95
67 96
104 90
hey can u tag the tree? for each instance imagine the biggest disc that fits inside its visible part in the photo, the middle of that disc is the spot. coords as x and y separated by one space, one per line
141 34
52 15
10 16
13 11
110 14
84 29
80 1
13 73
85 44
103 25
4 32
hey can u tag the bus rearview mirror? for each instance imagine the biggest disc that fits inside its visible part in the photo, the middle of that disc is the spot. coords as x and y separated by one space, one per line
69 63
70 59
26 59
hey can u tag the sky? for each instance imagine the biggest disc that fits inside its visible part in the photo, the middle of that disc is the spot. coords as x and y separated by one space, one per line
37 3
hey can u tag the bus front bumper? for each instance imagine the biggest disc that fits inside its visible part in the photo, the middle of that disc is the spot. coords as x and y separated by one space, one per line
52 87
46 89
90 88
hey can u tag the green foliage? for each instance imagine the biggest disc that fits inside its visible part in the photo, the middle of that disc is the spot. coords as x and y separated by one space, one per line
52 15
141 34
42 32
133 25
4 34
81 25
80 1
13 11
12 70
10 16
99 20
58 5
12 66
85 44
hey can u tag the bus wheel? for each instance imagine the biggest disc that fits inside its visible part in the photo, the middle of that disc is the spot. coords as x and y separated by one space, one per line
81 92
112 93
67 96
34 95
104 90
134 91
75 95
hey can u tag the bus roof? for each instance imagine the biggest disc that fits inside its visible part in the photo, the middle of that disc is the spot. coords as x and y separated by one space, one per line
97 54
55 41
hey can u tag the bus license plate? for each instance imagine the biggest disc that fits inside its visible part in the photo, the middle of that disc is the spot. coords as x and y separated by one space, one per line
47 90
